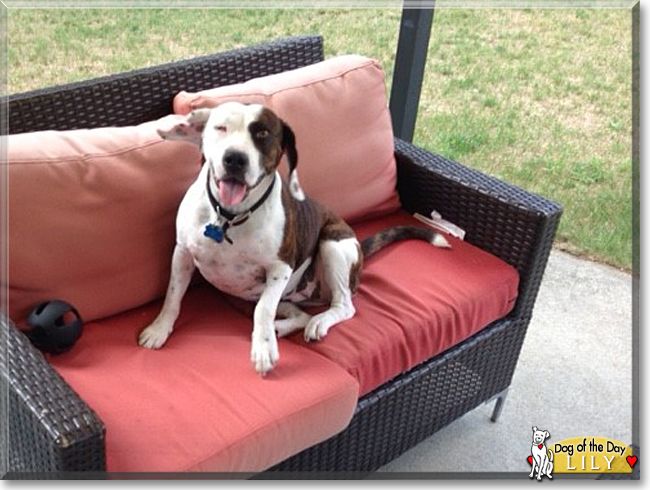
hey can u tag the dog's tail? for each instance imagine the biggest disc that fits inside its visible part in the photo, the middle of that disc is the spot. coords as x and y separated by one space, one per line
550 455
376 242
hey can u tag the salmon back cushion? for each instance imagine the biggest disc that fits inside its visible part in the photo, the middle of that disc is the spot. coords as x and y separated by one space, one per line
92 216
338 112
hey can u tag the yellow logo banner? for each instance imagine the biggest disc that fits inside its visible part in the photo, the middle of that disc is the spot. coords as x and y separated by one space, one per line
591 455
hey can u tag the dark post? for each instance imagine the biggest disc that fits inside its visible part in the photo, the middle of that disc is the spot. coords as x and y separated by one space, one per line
411 57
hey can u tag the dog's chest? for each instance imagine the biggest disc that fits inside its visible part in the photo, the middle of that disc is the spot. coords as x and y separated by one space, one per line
536 450
239 268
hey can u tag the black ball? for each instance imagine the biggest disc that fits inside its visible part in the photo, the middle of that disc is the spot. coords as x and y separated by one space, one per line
55 326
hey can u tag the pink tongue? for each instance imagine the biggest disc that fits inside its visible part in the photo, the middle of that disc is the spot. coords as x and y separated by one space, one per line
231 193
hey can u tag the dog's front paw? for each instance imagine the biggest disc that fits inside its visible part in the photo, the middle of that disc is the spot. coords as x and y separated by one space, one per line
155 335
264 353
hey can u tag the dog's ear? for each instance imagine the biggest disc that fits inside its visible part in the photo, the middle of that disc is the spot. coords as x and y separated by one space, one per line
189 129
534 429
289 149
548 434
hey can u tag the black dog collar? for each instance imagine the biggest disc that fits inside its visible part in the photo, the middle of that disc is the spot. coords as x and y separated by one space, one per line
218 232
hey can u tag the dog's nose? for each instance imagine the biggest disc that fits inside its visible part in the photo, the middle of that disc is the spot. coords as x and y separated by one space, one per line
234 161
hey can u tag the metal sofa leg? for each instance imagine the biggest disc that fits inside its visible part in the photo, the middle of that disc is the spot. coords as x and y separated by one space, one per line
501 398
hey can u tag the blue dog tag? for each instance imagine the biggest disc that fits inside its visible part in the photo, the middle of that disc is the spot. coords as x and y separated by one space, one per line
214 232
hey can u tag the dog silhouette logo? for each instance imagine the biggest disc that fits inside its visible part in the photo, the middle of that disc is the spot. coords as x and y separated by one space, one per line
541 458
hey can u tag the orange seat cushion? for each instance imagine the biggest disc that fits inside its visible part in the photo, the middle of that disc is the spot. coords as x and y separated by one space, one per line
197 404
415 301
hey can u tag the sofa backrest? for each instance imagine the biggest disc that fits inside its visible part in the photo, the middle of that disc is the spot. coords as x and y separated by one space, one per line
135 97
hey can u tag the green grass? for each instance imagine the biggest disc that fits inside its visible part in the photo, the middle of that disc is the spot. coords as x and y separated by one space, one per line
541 98
56 46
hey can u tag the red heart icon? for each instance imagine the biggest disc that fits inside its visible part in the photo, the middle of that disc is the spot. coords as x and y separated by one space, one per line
541 446
631 460
530 460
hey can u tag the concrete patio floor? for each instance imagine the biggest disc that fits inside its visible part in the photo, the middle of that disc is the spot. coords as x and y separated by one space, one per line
574 378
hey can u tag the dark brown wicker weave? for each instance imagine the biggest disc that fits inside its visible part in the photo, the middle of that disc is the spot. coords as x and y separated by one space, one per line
51 430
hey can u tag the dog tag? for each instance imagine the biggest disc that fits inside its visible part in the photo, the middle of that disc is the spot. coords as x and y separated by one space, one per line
214 232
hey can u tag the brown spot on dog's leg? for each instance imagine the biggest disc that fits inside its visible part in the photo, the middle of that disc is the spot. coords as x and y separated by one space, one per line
355 271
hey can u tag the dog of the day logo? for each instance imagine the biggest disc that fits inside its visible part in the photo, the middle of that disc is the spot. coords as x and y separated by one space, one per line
595 455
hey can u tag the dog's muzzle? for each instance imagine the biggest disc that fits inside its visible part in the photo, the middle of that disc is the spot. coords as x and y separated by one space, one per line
235 163
232 186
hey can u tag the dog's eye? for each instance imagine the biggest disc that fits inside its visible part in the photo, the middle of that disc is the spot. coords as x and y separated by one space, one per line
262 134
221 129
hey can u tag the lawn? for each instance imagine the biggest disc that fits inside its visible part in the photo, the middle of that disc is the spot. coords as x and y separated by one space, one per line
541 98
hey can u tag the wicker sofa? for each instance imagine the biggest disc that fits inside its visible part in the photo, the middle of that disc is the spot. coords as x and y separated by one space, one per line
51 430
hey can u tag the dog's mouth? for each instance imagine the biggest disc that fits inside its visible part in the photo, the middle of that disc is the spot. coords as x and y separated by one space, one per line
232 192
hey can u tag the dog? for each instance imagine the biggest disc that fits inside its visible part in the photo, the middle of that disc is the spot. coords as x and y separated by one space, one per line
258 238
542 457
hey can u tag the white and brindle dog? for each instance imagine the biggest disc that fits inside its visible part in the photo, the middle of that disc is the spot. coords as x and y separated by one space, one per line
254 237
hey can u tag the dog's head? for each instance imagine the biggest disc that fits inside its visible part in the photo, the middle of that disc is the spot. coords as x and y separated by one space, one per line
242 144
539 436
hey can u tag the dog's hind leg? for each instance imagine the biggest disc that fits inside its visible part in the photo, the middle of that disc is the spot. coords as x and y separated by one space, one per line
293 318
340 268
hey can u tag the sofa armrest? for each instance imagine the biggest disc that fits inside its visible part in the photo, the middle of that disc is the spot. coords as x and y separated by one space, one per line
513 224
46 425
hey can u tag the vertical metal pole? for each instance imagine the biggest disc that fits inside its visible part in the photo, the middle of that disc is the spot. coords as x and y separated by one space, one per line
411 57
